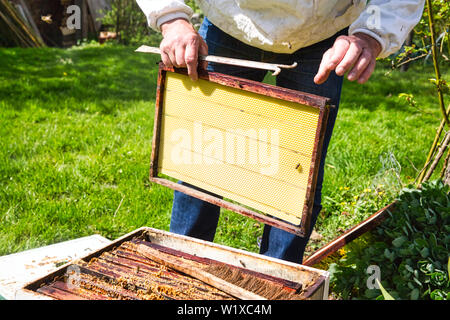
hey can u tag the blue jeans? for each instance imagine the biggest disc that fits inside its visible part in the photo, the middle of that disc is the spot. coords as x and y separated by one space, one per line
196 218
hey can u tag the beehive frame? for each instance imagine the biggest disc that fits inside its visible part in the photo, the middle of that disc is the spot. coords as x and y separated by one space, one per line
297 104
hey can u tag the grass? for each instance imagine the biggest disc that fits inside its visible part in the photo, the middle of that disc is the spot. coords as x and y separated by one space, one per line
76 129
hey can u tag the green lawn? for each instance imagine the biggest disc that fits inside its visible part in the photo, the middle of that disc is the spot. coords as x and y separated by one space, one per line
76 129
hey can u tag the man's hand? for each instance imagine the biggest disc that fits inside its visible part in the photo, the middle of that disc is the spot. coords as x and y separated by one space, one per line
181 46
356 53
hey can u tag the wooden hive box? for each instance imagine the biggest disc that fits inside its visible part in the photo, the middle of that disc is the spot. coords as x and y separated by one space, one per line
58 285
253 147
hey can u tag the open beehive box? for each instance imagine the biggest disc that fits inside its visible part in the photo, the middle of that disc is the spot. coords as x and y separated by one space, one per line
120 270
253 148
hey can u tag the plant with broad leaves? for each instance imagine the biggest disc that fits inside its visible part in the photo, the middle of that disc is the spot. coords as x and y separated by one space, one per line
411 248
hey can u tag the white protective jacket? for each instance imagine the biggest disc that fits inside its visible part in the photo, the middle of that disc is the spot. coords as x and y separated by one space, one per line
284 26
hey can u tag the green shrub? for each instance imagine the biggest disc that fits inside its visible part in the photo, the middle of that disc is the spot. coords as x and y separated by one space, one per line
127 19
130 23
411 249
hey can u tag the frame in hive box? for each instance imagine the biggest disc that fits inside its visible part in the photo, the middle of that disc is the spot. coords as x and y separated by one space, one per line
114 272
252 148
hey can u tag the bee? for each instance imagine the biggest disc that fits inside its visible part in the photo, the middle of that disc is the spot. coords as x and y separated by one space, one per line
288 44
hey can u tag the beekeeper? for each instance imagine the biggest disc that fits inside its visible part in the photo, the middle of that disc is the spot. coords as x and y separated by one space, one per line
327 38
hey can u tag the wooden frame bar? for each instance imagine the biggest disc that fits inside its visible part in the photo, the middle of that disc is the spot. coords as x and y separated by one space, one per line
351 234
310 100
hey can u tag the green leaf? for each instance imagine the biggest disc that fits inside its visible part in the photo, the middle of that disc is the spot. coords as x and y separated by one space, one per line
433 240
408 267
389 255
398 242
417 281
425 252
405 230
371 293
415 294
409 226
437 295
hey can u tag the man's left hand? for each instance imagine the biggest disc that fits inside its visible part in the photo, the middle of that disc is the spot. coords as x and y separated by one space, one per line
355 54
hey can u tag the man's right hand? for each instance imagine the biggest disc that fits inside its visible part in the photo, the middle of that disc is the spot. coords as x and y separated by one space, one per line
181 46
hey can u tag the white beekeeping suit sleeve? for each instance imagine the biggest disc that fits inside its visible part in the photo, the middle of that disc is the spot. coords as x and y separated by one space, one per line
389 22
160 11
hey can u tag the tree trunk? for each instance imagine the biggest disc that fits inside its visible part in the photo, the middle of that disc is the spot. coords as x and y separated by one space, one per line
447 174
